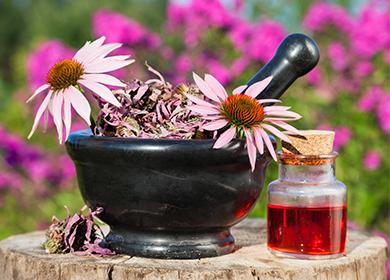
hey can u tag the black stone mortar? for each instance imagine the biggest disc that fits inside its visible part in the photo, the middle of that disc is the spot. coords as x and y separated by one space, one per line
177 199
167 198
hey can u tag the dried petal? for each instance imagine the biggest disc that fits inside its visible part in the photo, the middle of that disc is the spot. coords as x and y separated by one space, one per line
156 110
78 234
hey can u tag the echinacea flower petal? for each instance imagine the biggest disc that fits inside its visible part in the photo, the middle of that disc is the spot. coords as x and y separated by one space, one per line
284 125
57 104
251 148
40 112
140 92
215 125
39 90
204 88
261 101
276 132
95 45
116 57
67 115
276 113
102 52
88 48
255 89
82 52
276 108
203 109
284 114
225 138
45 120
105 65
271 119
79 103
258 139
104 79
240 89
216 86
199 101
101 91
268 143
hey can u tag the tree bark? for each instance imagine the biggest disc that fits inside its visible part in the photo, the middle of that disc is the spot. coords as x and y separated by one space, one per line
22 258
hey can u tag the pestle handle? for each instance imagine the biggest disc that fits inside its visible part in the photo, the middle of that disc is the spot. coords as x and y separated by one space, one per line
295 57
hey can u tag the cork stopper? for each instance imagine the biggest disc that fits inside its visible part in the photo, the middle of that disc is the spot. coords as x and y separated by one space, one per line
312 147
309 143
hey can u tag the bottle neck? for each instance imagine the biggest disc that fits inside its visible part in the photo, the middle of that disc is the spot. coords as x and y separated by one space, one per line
307 169
307 173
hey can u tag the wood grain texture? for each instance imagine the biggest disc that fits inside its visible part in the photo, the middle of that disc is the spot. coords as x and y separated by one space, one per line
22 258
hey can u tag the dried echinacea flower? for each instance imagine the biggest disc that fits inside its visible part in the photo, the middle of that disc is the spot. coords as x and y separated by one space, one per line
78 233
67 78
150 109
54 243
242 115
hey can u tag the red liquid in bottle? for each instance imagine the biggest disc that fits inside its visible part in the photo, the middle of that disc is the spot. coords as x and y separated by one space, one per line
301 230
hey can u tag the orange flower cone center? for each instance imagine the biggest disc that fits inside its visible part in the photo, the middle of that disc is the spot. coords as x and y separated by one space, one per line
243 110
64 74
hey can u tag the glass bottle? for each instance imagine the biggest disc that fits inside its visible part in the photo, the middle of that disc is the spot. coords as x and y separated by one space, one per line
307 211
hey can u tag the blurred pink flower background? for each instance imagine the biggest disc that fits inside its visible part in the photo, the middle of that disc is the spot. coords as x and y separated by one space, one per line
348 91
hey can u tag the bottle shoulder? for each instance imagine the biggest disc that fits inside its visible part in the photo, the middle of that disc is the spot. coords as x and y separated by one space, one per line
307 194
283 185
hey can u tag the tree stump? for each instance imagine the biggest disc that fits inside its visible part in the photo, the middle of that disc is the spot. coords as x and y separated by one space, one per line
22 258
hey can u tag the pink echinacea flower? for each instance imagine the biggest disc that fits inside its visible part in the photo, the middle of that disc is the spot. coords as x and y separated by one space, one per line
242 114
66 79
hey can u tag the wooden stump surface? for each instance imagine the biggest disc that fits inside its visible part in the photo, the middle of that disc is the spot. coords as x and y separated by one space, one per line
22 258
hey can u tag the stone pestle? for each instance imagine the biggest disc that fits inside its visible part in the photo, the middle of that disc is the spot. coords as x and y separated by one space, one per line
297 55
